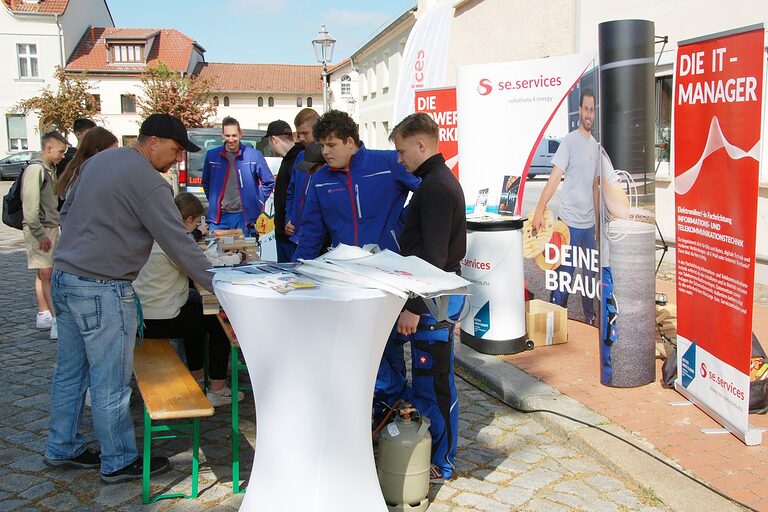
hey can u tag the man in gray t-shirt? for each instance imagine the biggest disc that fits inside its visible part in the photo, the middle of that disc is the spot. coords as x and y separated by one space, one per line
577 159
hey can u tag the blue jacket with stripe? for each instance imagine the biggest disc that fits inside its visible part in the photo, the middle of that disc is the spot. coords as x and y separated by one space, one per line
254 180
359 205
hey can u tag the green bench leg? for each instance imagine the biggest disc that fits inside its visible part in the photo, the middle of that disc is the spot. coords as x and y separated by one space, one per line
235 422
195 456
147 457
148 437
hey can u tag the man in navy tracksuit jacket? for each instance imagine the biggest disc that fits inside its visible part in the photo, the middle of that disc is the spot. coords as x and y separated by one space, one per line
435 231
358 198
237 182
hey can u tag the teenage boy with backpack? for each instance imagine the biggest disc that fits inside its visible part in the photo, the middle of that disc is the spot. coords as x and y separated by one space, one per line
41 214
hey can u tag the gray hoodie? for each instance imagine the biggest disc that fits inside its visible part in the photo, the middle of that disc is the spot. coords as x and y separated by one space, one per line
114 211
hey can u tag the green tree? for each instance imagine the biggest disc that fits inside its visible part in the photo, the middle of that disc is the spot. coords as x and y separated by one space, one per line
169 92
58 110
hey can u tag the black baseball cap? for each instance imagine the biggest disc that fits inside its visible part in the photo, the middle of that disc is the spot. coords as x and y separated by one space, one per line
278 127
313 155
168 127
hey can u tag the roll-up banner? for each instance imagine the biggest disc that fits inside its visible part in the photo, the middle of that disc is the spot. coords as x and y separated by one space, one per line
520 120
425 56
717 130
440 104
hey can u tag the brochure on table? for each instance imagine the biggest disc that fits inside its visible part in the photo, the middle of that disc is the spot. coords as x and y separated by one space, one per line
403 276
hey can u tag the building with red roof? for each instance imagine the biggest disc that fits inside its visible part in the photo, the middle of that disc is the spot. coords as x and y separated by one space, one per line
36 36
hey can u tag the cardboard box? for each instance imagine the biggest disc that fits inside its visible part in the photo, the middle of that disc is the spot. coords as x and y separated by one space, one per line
547 324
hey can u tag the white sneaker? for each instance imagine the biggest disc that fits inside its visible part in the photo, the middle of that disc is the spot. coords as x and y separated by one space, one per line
54 330
43 320
223 396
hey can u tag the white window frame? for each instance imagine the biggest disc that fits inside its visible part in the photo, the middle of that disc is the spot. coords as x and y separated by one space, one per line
346 85
27 60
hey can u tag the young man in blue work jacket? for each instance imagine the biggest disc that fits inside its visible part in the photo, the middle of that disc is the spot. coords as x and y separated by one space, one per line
236 180
358 198
435 231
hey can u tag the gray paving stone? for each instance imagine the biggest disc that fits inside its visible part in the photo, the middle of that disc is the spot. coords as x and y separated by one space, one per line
626 498
604 506
442 492
62 501
8 505
571 500
18 482
527 454
514 495
478 502
474 485
604 483
540 505
535 479
580 465
37 491
576 487
511 465
31 463
494 477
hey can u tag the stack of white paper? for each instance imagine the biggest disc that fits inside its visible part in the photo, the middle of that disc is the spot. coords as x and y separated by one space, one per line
405 276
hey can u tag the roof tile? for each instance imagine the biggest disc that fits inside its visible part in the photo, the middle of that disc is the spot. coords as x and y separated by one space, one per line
43 6
170 46
262 77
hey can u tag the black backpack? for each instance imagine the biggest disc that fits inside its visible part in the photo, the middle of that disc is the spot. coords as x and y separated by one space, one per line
13 214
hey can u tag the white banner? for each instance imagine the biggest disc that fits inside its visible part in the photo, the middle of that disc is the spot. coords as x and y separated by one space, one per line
507 109
425 56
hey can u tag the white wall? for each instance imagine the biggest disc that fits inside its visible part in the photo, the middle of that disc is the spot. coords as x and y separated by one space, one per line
379 69
110 89
244 107
506 30
81 14
44 32
347 103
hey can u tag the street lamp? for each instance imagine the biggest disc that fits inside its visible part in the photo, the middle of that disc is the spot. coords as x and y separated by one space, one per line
324 52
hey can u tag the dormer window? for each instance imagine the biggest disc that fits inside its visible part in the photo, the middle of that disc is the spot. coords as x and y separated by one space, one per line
127 53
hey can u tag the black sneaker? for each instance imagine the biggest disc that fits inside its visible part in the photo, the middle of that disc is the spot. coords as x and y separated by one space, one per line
86 460
134 470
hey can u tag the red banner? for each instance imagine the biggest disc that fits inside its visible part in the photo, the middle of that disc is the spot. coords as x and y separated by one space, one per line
717 129
441 105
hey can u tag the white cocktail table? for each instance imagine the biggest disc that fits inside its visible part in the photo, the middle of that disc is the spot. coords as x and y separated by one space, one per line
312 357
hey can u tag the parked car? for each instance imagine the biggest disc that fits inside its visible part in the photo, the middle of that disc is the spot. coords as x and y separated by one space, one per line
12 165
191 169
541 165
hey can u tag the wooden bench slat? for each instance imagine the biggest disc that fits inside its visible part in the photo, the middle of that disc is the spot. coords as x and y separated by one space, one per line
228 330
168 389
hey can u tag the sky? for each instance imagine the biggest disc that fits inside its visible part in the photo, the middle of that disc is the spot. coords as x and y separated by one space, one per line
263 31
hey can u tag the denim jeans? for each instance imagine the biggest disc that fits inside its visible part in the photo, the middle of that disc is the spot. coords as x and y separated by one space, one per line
97 333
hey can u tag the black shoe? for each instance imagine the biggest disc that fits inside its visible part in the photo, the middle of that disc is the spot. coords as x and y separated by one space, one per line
86 460
134 470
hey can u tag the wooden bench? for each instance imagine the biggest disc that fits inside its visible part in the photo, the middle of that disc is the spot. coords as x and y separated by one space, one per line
170 393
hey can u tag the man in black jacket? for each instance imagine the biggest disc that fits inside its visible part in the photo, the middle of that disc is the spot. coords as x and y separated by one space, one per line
435 231
280 138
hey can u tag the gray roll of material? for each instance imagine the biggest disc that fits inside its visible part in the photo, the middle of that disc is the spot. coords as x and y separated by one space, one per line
632 354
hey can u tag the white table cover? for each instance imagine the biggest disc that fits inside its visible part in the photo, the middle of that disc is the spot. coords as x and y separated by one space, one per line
312 356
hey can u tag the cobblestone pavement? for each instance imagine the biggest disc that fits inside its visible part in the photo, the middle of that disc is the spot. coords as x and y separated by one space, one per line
506 460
